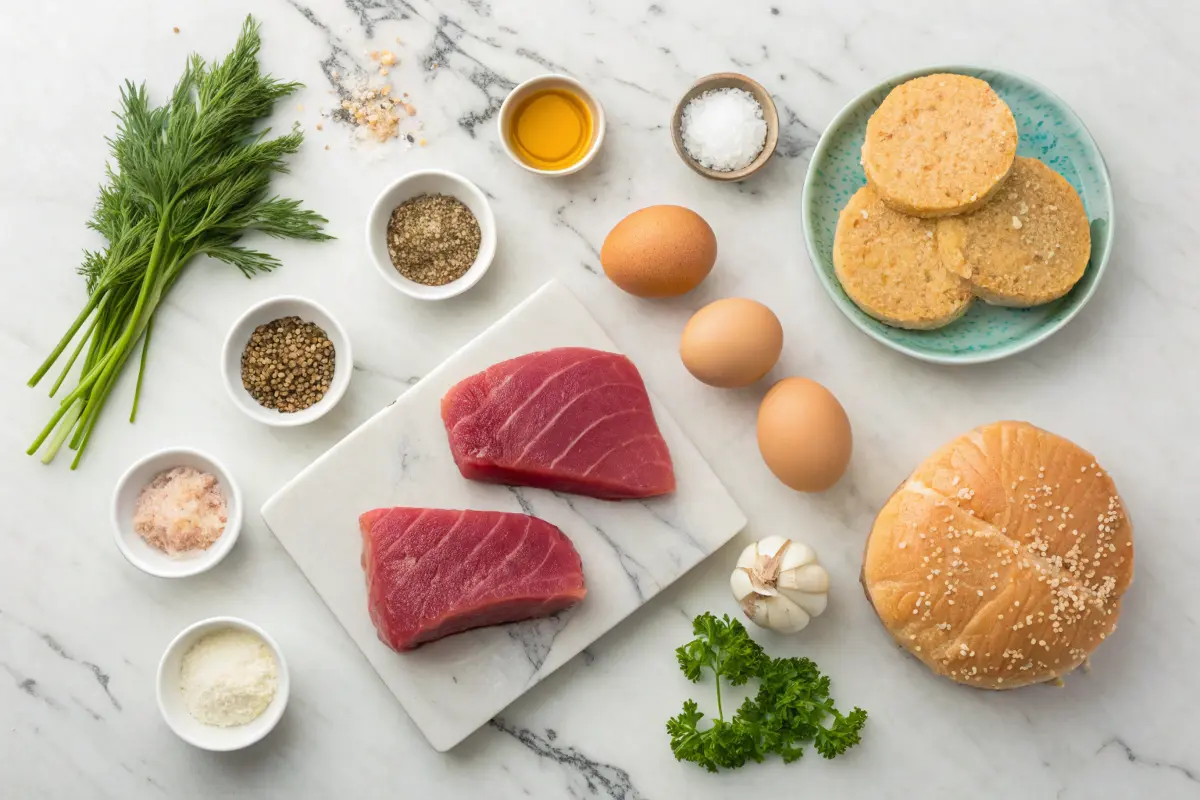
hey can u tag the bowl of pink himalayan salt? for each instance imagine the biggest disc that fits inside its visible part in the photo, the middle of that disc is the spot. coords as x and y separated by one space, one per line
176 512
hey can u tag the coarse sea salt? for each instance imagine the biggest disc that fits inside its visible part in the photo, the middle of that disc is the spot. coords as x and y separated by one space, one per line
723 129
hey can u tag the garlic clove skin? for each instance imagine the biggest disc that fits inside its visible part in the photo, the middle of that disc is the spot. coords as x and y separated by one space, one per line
781 615
807 587
813 604
780 584
810 578
797 555
741 585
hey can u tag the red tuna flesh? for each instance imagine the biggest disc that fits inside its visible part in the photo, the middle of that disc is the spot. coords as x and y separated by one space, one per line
571 420
432 572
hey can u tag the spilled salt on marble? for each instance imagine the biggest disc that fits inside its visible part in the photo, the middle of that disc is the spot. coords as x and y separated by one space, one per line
723 129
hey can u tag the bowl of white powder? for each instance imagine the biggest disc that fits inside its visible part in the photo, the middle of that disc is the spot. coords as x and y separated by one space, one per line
222 684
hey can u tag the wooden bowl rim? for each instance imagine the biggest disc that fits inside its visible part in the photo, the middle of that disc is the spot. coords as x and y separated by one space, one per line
728 80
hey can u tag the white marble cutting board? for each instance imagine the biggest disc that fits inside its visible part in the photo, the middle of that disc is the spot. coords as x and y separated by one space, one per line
631 550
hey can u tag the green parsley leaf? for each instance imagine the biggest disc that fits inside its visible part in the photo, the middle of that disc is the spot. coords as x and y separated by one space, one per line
723 646
844 734
793 700
789 710
724 744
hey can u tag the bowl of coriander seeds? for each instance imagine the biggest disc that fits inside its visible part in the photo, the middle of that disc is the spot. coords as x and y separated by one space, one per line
431 234
286 362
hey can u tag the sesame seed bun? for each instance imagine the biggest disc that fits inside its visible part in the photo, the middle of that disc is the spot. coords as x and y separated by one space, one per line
1001 561
939 145
888 264
1028 246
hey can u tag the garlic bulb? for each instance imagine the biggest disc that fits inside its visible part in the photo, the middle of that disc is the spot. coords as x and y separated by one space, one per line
780 584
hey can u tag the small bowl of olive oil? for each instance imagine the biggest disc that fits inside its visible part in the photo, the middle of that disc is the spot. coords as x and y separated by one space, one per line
551 125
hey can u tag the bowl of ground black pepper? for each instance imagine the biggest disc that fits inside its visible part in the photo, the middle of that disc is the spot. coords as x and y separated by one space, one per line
431 234
286 362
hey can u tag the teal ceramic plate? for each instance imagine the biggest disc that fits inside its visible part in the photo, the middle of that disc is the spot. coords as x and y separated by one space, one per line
1048 130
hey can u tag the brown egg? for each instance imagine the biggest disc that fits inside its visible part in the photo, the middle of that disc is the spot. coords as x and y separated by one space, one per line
732 342
660 251
804 435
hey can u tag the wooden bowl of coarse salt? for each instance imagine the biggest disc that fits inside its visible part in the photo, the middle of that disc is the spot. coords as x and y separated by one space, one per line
725 127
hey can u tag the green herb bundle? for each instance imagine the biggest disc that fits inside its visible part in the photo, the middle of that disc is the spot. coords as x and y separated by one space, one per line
187 178
790 708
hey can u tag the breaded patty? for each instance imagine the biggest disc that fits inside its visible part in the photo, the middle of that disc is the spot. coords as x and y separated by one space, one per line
888 264
1028 246
939 145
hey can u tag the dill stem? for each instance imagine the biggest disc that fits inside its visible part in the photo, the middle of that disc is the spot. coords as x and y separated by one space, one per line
76 408
87 335
65 340
119 352
101 392
68 403
140 326
101 344
105 365
95 405
148 283
91 409
137 392
85 383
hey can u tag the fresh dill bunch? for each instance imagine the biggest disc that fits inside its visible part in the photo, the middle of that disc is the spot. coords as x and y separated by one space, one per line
187 178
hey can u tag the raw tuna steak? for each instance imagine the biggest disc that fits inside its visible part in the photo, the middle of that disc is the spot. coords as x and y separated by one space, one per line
431 573
570 419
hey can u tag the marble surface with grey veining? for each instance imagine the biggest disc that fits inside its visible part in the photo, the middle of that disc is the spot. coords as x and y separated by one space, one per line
81 631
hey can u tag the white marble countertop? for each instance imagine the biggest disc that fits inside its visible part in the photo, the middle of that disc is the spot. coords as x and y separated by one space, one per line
81 631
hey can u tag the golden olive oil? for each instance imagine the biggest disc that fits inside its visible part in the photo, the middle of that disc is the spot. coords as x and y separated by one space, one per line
551 129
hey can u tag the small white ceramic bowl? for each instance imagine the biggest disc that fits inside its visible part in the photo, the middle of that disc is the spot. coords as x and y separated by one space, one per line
151 560
414 184
190 729
268 311
517 95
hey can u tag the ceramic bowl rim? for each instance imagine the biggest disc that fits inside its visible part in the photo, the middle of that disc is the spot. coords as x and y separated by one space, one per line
216 553
600 123
487 229
855 315
278 702
343 352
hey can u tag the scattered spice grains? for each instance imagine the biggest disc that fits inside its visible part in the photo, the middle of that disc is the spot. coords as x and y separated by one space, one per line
374 108
288 364
377 114
433 239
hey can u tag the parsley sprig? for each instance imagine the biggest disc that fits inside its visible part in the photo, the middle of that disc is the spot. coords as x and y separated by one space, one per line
789 710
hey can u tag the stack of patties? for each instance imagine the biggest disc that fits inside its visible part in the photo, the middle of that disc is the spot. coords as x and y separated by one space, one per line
951 213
